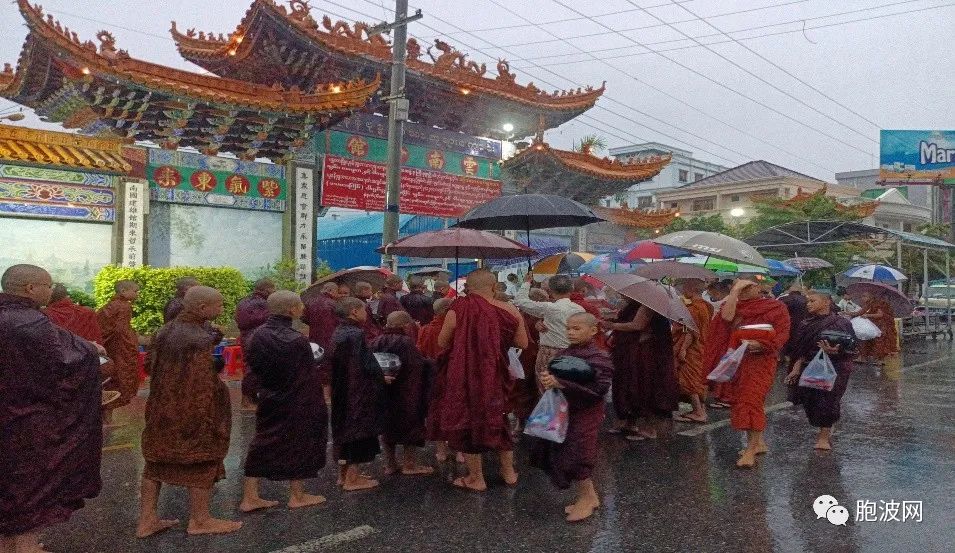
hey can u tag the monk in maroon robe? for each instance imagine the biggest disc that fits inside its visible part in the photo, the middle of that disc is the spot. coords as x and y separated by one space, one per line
322 321
405 397
418 304
823 408
645 388
78 319
121 343
50 427
579 296
388 301
188 419
523 394
365 293
796 303
357 386
174 306
251 312
575 458
291 420
469 405
743 307
428 335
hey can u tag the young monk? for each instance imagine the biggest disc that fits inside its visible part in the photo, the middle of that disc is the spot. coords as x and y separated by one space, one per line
175 304
78 319
322 321
251 312
688 348
748 389
291 420
822 407
406 397
50 435
188 419
121 343
417 303
357 384
879 312
388 301
366 294
574 460
469 408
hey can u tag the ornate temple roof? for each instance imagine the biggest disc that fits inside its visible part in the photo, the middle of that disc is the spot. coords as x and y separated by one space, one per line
275 45
578 175
860 210
637 218
58 149
105 91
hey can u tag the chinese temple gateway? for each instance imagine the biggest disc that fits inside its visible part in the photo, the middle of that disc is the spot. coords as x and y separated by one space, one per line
275 45
103 91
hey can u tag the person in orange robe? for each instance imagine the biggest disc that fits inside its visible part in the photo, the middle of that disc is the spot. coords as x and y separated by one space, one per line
748 389
469 408
78 319
688 348
428 335
121 343
880 313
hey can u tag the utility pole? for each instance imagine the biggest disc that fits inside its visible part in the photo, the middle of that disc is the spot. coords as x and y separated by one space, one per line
397 115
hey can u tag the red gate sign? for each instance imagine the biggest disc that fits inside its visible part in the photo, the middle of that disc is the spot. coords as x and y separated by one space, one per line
361 185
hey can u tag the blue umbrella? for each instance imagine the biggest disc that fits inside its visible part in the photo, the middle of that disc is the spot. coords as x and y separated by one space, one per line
875 272
781 268
604 264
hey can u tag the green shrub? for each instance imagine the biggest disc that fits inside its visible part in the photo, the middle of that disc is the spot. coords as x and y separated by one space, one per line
80 297
158 285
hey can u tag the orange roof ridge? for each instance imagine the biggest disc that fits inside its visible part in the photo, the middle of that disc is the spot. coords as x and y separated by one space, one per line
24 145
638 218
446 63
606 168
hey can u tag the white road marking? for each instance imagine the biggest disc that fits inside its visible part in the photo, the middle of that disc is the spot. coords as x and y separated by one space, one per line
329 541
725 422
925 364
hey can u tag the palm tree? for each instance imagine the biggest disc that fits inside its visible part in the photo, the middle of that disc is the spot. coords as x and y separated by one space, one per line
591 144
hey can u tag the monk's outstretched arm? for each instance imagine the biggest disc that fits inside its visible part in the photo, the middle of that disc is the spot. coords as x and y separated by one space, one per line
447 330
520 337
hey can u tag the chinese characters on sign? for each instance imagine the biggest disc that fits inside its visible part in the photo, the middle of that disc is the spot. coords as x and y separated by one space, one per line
134 223
304 225
361 185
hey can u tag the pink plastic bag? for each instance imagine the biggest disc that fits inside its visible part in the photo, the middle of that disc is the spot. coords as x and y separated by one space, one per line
726 369
550 417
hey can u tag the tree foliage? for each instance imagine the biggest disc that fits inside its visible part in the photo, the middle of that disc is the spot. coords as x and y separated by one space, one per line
283 274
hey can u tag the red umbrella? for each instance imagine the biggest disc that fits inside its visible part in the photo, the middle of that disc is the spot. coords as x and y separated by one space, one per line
901 305
673 269
647 249
457 242
661 299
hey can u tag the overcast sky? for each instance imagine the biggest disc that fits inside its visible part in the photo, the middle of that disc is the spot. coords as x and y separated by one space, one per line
729 100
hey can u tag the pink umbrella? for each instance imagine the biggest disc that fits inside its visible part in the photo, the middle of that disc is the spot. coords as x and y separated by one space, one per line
457 242
673 269
901 305
661 299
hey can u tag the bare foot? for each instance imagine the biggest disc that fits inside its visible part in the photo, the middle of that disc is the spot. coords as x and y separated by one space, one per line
823 444
747 460
249 505
691 418
306 500
147 528
509 476
761 449
415 470
581 511
360 483
470 484
212 526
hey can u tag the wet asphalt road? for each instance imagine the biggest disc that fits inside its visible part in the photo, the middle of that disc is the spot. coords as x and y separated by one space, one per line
896 441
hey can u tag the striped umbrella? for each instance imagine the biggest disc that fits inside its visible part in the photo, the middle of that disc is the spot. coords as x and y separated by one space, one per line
562 263
808 263
604 263
875 272
647 249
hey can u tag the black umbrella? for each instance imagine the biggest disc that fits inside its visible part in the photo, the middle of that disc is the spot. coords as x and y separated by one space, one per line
528 212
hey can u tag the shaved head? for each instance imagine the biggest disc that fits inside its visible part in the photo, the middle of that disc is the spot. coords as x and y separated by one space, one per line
441 306
538 294
203 302
284 302
264 285
59 292
362 286
28 281
184 284
690 285
346 306
481 281
583 318
398 319
330 289
125 286
416 284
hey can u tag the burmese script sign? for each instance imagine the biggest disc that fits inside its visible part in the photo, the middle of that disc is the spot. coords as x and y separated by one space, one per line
359 184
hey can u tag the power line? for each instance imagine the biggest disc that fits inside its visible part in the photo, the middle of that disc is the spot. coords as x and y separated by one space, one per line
608 14
760 79
627 30
722 85
777 66
693 46
673 97
743 30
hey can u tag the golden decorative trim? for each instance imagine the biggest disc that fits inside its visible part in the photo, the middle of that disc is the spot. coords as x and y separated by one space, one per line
21 145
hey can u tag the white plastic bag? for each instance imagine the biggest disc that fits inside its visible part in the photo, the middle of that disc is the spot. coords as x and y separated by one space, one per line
514 364
865 329
550 417
819 373
726 369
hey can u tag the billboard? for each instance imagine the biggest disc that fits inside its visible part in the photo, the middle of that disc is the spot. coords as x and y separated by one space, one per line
918 156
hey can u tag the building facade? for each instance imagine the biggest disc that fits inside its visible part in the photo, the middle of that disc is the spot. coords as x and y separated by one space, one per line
683 170
868 182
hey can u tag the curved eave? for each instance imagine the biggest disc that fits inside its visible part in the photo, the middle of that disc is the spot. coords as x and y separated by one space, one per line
85 62
588 165
222 53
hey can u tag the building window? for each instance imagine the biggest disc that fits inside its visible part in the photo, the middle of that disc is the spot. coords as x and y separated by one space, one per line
674 205
703 204
697 176
644 202
684 175
734 198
